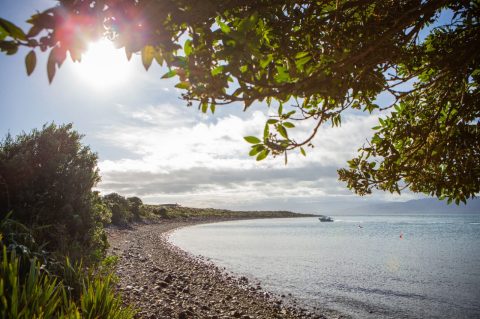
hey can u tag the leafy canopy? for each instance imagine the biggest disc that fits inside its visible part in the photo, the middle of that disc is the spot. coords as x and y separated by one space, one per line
310 60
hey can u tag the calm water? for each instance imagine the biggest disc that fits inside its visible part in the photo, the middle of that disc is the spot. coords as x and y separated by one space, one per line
359 265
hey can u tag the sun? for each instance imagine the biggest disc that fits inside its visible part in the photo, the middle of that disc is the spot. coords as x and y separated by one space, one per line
103 66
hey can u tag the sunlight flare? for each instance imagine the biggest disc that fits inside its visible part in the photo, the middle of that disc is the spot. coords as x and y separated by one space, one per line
103 66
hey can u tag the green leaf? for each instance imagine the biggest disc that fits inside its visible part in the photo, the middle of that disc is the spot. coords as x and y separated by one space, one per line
51 66
184 85
252 139
288 125
148 53
301 62
300 55
303 151
187 47
212 108
180 61
282 131
12 30
204 107
272 121
256 149
159 57
282 75
30 62
243 68
266 131
225 28
3 33
266 61
262 155
169 74
217 70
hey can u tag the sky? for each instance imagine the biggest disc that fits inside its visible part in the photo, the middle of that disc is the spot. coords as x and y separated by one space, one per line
151 145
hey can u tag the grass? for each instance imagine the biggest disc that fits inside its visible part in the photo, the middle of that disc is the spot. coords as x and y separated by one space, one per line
38 294
177 211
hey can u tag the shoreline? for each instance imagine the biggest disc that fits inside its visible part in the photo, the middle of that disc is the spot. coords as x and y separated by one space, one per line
161 280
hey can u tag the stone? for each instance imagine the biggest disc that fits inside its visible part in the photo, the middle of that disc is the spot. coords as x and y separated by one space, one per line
168 278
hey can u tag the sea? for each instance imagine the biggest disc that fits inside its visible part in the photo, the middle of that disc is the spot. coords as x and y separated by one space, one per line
372 266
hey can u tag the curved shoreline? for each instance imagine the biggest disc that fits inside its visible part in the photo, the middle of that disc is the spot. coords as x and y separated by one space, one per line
163 281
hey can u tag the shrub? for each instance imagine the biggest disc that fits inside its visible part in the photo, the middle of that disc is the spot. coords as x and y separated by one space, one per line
119 205
46 180
135 204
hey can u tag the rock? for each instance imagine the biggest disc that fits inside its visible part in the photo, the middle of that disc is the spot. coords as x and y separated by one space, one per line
168 278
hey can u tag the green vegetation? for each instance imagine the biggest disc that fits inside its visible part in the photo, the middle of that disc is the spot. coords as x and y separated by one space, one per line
46 180
39 294
308 61
49 216
120 208
176 211
52 228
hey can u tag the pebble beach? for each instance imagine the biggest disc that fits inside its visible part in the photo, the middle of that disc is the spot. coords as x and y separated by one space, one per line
162 281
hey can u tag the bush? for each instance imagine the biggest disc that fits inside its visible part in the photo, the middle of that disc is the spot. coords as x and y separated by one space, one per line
135 204
46 180
47 213
119 205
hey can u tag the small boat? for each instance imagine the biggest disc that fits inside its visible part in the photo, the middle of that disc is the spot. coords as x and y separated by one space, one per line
325 219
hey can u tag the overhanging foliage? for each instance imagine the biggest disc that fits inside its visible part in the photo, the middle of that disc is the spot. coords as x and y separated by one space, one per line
310 60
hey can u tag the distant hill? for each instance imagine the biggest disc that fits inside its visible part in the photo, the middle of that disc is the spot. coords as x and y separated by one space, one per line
430 205
417 206
352 205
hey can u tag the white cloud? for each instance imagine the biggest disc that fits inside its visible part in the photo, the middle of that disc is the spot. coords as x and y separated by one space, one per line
184 156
